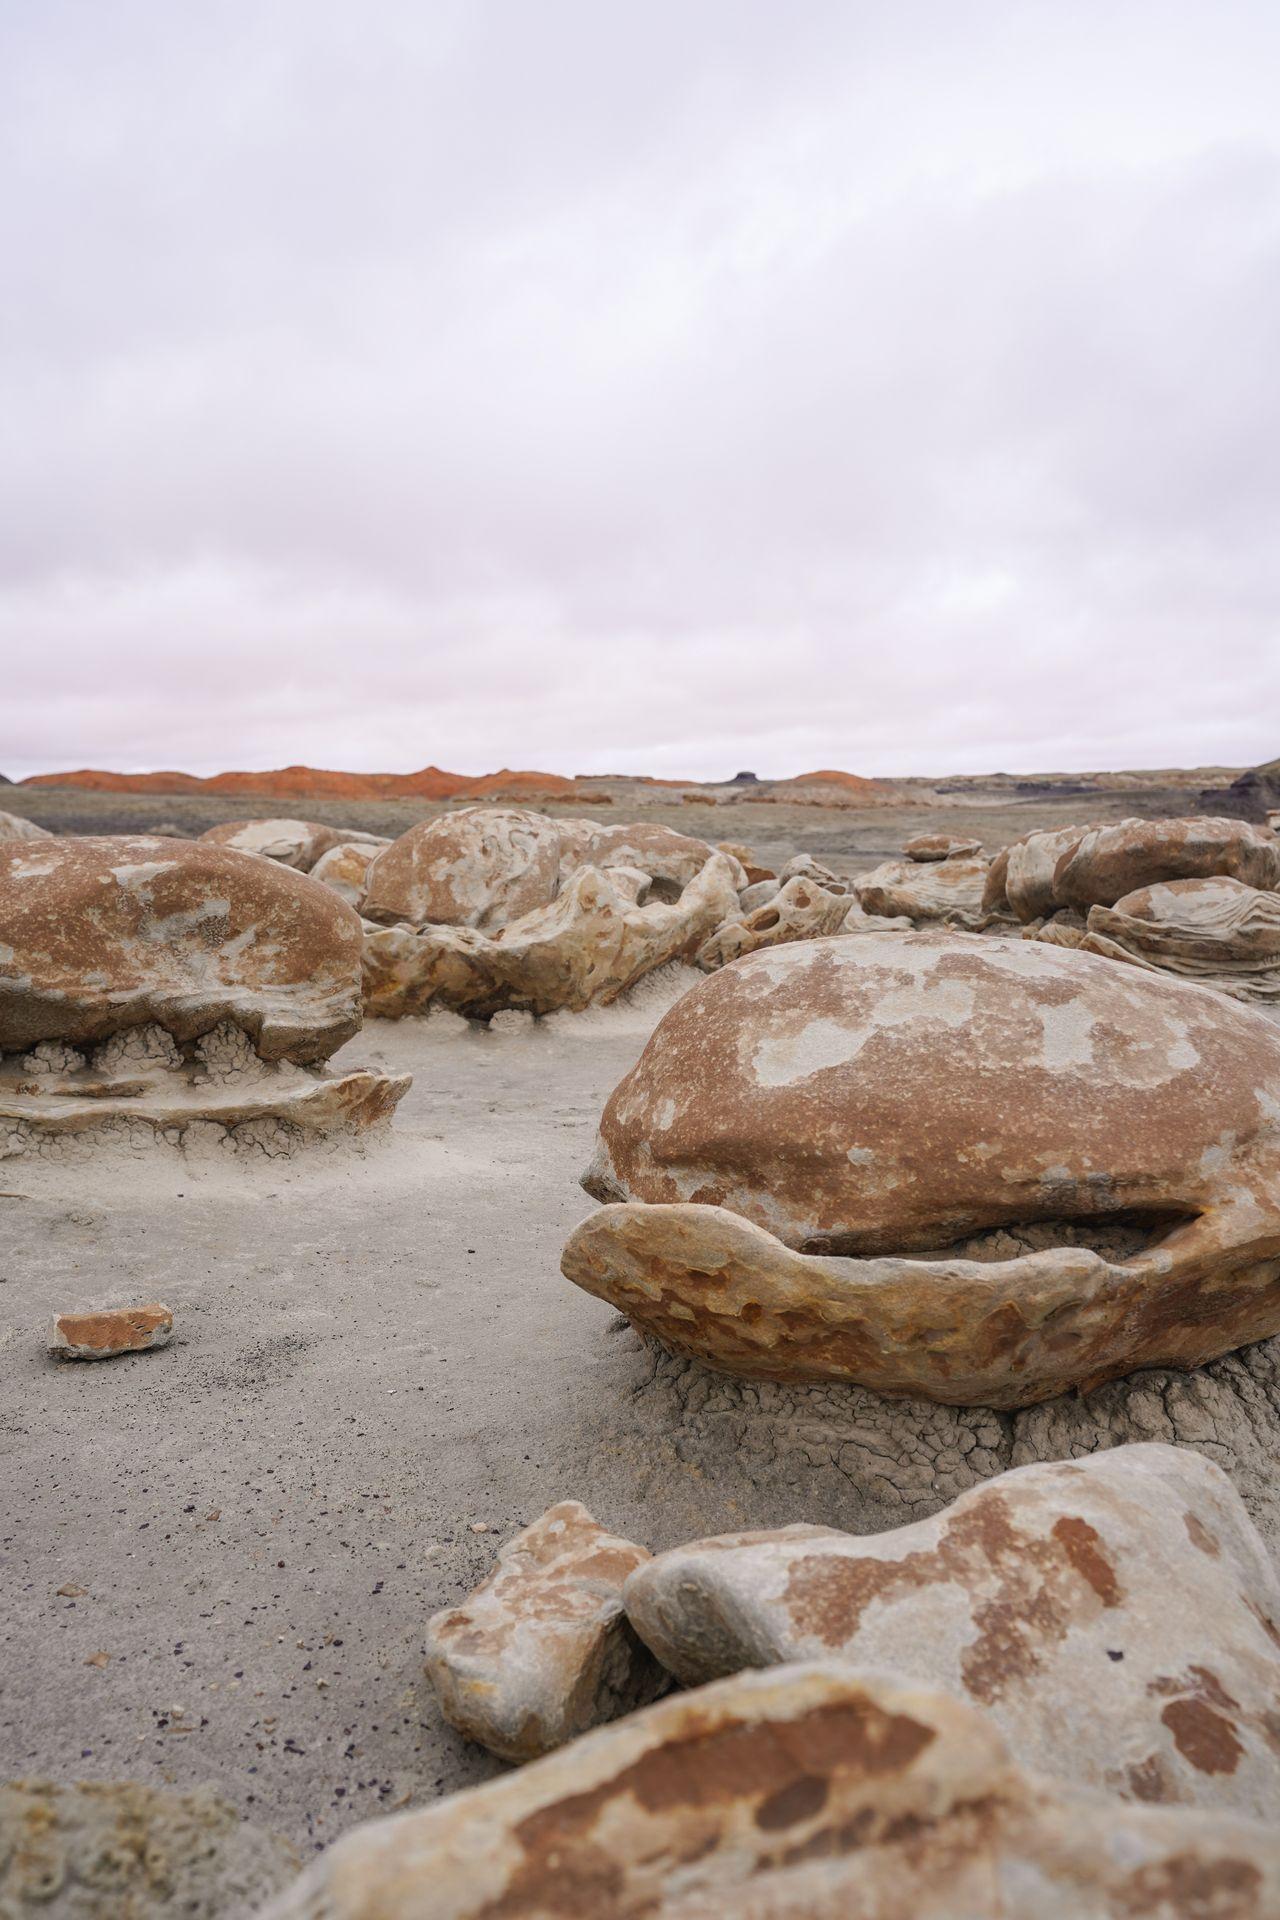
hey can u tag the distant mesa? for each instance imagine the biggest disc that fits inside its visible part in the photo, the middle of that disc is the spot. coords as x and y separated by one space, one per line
1252 795
826 788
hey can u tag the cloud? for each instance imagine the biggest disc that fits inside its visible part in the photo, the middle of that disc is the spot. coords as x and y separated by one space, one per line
670 389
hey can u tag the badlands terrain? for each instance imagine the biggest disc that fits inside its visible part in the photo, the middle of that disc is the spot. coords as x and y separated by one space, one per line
220 1557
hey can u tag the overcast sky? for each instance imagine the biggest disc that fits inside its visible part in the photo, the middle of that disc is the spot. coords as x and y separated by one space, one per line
676 387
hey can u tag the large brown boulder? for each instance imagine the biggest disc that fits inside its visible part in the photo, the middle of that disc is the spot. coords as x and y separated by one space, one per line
1118 1617
811 1792
480 868
1110 862
104 935
888 1094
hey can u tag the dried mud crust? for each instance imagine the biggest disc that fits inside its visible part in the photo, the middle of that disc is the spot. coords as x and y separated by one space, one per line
846 1456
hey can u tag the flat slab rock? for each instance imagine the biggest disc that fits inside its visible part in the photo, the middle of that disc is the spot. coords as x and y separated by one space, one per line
1119 1618
811 1792
543 1649
117 1851
111 1330
894 1094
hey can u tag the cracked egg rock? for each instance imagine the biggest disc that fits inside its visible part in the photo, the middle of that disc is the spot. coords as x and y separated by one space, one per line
887 1095
98 936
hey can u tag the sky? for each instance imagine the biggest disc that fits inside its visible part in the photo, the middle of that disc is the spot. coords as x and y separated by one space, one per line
672 388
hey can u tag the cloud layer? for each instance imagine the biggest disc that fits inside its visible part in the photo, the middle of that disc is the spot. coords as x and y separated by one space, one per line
665 389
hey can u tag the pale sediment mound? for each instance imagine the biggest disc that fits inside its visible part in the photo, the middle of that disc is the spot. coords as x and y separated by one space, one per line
543 1650
1118 1617
1218 932
164 982
817 1791
499 909
120 1851
888 1095
14 827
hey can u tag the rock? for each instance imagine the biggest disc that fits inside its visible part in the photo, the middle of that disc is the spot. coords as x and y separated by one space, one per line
799 910
661 852
888 1094
949 890
941 846
802 867
118 1851
202 983
107 934
293 843
543 1650
745 856
14 827
481 868
345 868
1218 932
1118 1617
810 1792
1020 879
1113 861
759 894
588 946
111 1330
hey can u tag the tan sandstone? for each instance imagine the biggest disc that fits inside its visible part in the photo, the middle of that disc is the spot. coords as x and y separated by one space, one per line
941 846
949 890
111 1330
1219 932
799 910
480 868
811 1792
890 1094
543 1650
14 827
1118 1617
293 843
593 941
1112 861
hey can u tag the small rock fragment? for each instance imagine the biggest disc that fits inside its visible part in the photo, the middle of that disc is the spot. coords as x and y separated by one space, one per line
112 1330
543 1650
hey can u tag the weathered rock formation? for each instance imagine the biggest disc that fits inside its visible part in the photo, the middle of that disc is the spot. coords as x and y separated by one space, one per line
799 910
481 868
1110 862
941 846
811 1792
890 1094
1020 878
949 890
166 981
1218 932
294 843
1118 1617
345 868
14 827
594 941
116 1851
543 1650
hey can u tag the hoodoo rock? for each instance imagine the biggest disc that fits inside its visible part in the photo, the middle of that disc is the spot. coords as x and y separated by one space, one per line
480 868
1118 1617
1110 862
164 981
543 1650
811 1792
1219 932
891 1094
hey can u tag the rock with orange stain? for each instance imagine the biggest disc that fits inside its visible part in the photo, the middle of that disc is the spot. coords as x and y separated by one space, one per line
1118 1617
294 843
949 890
928 847
543 1650
894 1095
819 1791
799 910
110 1330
